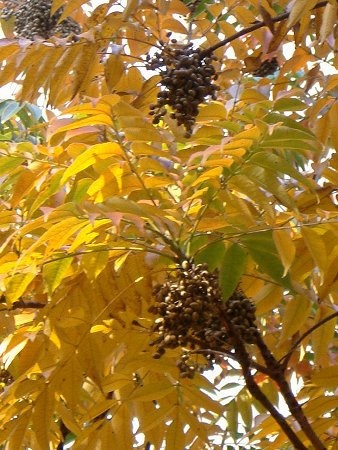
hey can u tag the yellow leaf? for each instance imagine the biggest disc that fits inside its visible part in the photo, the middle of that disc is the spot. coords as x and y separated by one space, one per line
91 156
153 391
7 217
130 8
135 126
67 418
17 284
113 70
42 416
55 272
25 183
58 234
315 243
14 432
253 96
212 111
316 407
268 298
225 162
98 119
323 336
115 381
208 175
197 398
118 263
175 436
285 247
85 68
122 427
69 7
251 134
208 224
326 377
296 313
89 232
70 376
11 347
60 72
299 9
174 25
328 21
154 418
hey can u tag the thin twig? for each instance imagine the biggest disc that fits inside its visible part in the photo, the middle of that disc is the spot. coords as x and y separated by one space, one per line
254 27
285 359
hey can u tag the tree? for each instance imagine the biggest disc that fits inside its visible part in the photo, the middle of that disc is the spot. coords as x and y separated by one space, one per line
177 212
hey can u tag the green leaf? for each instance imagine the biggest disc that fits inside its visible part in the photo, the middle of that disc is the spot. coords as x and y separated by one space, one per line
232 418
212 254
232 269
289 104
278 164
263 251
55 272
7 163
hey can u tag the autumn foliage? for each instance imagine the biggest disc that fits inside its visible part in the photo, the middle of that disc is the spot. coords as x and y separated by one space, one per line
100 203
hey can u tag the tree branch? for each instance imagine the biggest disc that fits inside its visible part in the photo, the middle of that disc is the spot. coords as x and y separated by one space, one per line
277 373
253 27
21 304
245 361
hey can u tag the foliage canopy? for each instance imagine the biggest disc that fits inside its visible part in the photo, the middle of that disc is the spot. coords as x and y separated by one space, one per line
99 204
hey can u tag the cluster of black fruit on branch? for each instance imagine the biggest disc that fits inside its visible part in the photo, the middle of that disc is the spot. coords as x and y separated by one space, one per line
187 80
5 377
34 18
193 316
267 67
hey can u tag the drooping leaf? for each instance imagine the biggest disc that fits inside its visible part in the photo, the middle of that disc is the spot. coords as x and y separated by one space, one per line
296 313
55 272
263 251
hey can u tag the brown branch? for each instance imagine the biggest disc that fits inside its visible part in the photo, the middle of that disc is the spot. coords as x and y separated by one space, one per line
21 304
277 373
285 359
244 359
254 27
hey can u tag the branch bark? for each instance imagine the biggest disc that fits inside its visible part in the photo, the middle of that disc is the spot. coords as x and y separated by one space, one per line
244 359
277 374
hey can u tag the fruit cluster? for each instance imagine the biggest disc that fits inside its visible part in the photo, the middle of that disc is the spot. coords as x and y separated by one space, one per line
187 79
33 18
268 67
192 315
5 377
240 312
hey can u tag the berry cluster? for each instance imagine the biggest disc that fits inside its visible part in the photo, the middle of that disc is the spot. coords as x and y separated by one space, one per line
193 315
240 312
187 78
268 67
5 377
33 18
